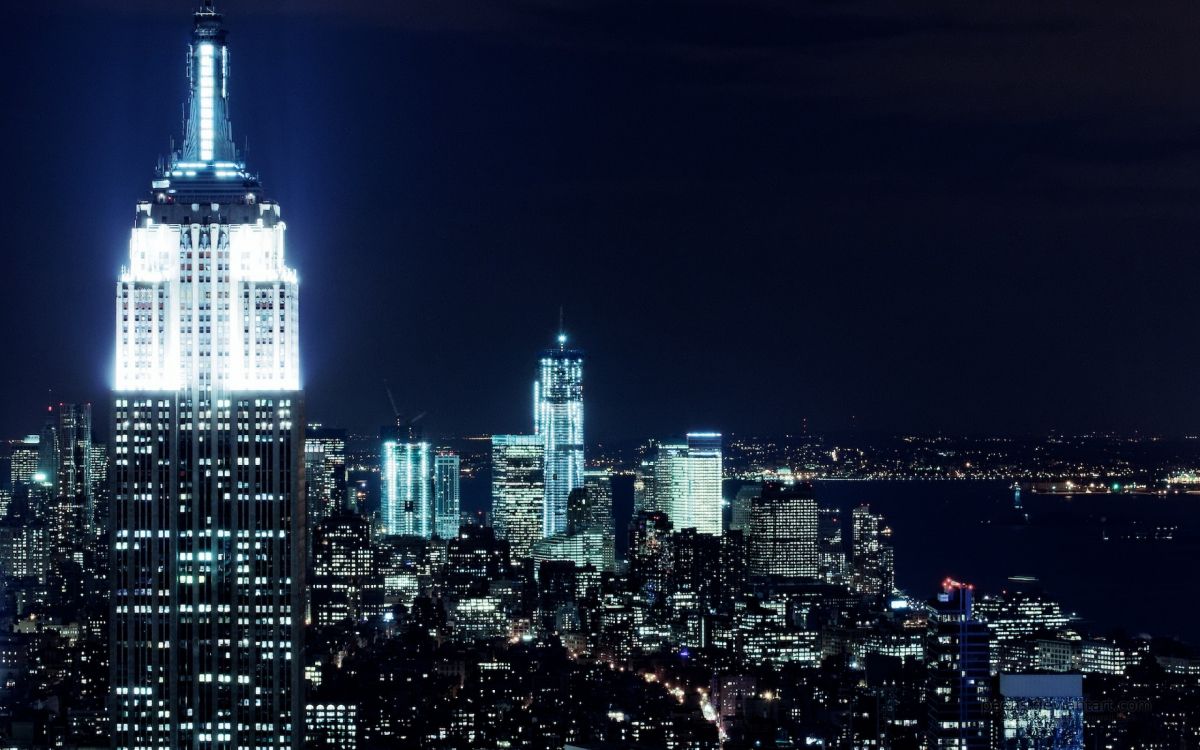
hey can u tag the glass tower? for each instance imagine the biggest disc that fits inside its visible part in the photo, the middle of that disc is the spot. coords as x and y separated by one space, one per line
406 486
446 467
518 490
558 421
687 482
207 524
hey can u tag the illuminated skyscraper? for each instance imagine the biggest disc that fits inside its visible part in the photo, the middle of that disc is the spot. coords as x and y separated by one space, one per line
325 475
959 672
518 490
558 420
23 461
687 482
783 532
406 488
446 468
874 559
208 522
66 459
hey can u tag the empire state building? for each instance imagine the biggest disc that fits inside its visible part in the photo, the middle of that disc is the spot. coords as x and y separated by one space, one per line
208 516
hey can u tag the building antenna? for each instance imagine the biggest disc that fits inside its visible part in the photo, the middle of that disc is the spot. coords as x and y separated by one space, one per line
562 333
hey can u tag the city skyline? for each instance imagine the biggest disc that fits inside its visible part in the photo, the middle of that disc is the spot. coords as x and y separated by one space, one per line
934 325
740 555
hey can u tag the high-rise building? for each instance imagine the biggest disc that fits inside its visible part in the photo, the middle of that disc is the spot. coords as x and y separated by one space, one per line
830 547
208 522
344 573
650 563
1041 712
406 488
518 490
65 461
874 559
687 482
1021 610
959 672
645 497
23 461
783 532
588 539
739 508
558 420
325 477
447 468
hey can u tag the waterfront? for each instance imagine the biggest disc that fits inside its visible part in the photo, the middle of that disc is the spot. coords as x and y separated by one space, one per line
965 529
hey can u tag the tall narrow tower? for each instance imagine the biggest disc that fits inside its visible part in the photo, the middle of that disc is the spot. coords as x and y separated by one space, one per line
208 517
558 421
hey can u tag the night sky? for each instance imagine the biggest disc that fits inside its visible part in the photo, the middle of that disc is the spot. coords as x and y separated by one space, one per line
949 215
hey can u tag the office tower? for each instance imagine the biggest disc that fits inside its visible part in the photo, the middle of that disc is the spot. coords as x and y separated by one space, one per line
650 556
518 490
582 549
406 488
874 560
24 462
24 548
829 545
958 656
325 477
101 499
67 463
687 482
588 539
344 571
739 509
447 467
73 463
1041 712
596 514
475 558
1021 610
558 421
783 532
734 570
644 494
695 584
208 522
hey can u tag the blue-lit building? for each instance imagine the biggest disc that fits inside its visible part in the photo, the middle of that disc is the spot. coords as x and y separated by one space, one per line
558 421
1042 711
208 523
446 505
406 488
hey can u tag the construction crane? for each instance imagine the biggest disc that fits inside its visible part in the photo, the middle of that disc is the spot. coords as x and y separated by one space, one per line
406 426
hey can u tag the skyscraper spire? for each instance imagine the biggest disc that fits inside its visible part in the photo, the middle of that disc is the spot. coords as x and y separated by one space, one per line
208 137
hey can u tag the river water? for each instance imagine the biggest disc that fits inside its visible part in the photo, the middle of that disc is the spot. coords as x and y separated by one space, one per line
1084 548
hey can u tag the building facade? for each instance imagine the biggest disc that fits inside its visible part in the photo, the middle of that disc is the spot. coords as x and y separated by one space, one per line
783 532
325 478
518 491
406 489
447 509
959 673
687 482
208 522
